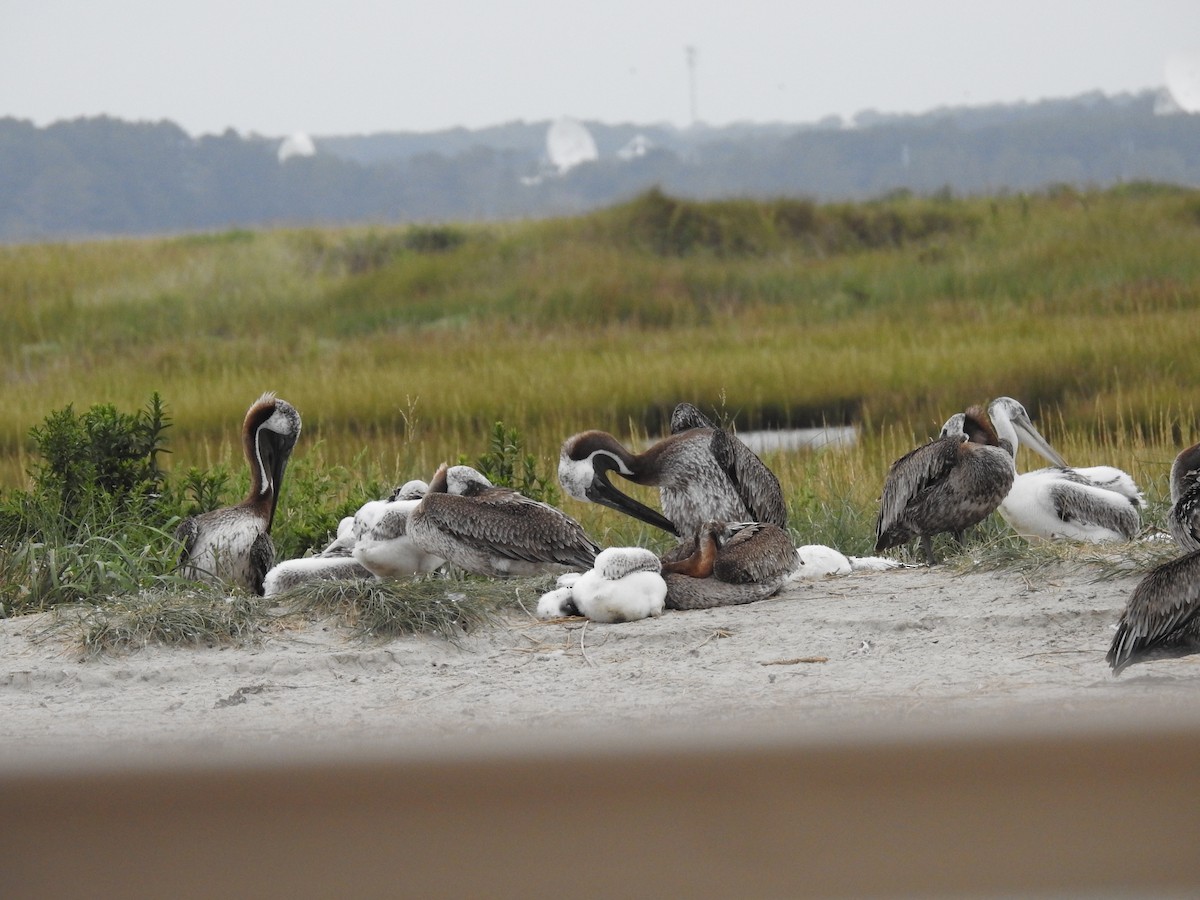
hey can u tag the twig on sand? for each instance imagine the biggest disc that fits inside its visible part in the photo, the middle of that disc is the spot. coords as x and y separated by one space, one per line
718 633
1053 653
521 603
582 649
795 660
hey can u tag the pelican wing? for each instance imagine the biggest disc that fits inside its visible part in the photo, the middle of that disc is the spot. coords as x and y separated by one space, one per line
1163 613
755 484
1183 521
757 552
513 526
1082 503
262 560
910 476
393 523
186 533
685 417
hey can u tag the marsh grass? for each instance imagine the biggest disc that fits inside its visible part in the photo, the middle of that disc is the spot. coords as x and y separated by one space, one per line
403 348
1080 304
446 607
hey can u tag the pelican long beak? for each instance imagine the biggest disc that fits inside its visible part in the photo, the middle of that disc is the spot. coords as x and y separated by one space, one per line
1037 443
279 451
602 491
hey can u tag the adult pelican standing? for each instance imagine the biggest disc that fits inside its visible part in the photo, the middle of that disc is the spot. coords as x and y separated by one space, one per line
233 545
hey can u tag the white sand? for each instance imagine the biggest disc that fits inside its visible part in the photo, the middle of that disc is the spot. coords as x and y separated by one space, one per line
858 649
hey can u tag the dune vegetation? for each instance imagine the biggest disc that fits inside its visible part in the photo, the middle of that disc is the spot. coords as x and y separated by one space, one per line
403 347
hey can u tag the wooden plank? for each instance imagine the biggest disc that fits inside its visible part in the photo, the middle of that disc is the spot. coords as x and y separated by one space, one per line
1006 808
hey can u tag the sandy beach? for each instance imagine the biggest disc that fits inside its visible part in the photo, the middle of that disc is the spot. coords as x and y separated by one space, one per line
912 732
904 644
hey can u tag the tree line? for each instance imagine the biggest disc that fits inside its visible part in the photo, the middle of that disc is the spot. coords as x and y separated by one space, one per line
103 176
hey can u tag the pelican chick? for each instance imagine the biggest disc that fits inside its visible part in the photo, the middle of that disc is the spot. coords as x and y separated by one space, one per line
386 547
624 585
949 484
1162 617
817 560
702 472
292 573
730 564
496 531
233 545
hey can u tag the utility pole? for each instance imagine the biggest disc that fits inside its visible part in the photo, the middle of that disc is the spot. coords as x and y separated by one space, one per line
690 51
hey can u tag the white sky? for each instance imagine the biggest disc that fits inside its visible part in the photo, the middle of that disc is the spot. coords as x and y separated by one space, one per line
356 66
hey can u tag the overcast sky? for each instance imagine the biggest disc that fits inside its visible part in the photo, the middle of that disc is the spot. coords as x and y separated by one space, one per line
275 67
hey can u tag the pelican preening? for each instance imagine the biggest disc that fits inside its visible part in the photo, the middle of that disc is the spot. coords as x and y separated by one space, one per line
1162 617
233 545
702 472
1183 520
728 564
947 485
496 531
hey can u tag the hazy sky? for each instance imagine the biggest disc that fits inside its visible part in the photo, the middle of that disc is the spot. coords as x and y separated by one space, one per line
352 66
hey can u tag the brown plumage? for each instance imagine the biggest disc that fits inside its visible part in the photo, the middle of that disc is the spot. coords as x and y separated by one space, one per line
1183 519
703 473
948 485
233 545
726 564
496 531
1162 617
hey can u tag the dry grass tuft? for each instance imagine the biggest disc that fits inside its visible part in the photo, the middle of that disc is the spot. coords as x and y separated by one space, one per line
194 617
384 609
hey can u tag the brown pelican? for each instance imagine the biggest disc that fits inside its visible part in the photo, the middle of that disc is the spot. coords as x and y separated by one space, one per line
702 472
624 585
1093 504
1184 518
730 564
496 531
949 484
1162 617
233 545
385 546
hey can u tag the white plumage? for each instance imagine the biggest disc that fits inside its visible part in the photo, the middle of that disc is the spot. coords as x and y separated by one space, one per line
624 585
1093 504
386 548
294 572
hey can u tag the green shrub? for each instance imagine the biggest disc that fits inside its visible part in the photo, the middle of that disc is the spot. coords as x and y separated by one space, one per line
507 464
101 457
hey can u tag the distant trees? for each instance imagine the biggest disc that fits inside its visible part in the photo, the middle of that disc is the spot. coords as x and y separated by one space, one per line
102 176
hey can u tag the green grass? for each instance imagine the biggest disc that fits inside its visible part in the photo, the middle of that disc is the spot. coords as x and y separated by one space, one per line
1076 304
403 347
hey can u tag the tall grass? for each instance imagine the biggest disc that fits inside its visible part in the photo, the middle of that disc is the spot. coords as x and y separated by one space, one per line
403 347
